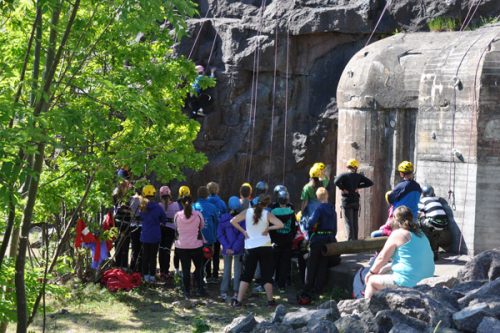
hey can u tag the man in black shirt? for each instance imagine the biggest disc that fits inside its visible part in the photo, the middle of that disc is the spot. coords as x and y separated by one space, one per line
349 183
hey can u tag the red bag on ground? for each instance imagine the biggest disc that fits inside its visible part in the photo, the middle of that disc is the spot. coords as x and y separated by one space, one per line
116 279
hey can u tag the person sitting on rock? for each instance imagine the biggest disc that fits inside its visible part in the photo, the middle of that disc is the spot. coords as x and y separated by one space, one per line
434 220
411 254
199 101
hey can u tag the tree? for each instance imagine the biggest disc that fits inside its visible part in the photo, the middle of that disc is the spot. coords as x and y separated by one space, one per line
105 98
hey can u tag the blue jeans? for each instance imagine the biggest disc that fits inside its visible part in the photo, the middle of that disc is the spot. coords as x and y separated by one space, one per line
226 278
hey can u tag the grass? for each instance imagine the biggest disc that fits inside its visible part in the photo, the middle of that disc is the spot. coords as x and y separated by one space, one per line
150 309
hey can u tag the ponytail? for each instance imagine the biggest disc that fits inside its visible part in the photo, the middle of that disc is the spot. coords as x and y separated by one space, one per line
264 201
186 203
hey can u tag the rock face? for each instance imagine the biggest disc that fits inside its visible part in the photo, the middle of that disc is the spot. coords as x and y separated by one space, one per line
472 306
278 66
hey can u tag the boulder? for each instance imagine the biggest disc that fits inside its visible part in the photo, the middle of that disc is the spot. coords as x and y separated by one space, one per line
469 318
241 324
441 281
403 328
331 305
352 306
464 288
304 316
389 319
322 326
488 325
484 266
412 303
489 289
279 314
267 327
351 323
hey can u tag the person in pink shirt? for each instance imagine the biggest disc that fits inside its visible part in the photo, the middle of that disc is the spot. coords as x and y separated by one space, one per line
189 245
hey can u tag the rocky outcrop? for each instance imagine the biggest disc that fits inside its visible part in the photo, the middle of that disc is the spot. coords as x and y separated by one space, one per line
277 55
454 307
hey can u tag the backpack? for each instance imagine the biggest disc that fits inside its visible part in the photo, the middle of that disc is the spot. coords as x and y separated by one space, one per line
358 283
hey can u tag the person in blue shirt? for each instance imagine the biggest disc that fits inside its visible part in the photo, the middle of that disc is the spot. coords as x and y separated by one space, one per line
322 229
200 100
214 199
209 231
152 216
407 192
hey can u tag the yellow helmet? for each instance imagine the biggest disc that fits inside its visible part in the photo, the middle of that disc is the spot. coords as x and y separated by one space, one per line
315 172
320 165
353 163
405 167
184 191
148 191
248 184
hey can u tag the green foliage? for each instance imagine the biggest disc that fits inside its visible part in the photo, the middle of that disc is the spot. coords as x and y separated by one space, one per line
33 283
483 21
113 102
200 325
444 24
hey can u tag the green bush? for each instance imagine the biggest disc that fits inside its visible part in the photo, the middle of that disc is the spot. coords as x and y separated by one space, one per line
444 24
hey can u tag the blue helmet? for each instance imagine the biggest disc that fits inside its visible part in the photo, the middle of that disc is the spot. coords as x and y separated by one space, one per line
262 186
283 197
279 188
234 203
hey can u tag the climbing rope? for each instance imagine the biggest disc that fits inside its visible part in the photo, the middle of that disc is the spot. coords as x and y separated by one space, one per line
286 99
198 35
274 103
254 91
466 23
378 22
474 115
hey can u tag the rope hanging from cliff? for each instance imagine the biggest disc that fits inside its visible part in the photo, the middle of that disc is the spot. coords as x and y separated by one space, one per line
286 100
474 115
274 103
254 90
468 19
198 35
378 22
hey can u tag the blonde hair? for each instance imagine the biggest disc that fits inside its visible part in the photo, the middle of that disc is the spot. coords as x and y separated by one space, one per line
403 218
322 194
213 188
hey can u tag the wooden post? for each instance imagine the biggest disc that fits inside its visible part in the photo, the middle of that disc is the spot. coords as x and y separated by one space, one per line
354 246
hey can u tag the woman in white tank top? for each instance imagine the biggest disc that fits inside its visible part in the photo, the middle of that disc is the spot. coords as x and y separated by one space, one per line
258 247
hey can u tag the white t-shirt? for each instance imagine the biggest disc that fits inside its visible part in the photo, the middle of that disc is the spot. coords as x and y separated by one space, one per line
254 231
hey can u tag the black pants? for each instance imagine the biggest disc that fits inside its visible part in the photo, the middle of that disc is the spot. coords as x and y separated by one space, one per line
185 257
150 253
212 266
262 255
317 270
351 212
135 239
167 239
437 238
282 254
122 245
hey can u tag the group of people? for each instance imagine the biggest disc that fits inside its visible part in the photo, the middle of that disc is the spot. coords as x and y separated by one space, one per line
258 234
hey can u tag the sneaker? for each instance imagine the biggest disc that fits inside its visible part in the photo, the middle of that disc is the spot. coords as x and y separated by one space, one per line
152 279
199 113
235 303
223 298
146 278
271 303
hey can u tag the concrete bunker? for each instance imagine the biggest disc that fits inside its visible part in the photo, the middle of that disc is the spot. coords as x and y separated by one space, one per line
433 99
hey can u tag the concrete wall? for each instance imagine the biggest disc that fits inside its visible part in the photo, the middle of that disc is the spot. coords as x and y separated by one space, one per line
433 99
